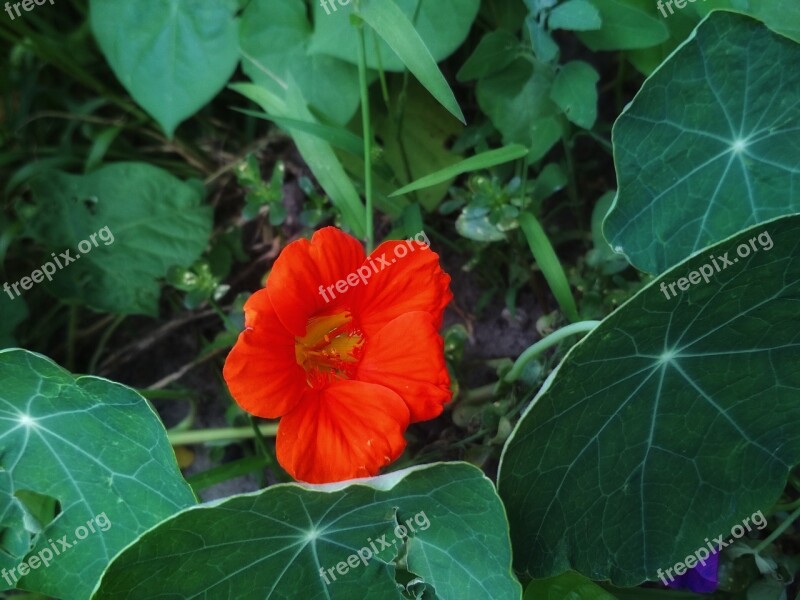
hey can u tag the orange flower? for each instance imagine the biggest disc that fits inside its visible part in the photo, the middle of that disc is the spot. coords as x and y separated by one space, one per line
346 368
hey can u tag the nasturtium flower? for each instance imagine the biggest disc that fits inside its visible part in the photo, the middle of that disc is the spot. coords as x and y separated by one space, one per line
345 350
701 579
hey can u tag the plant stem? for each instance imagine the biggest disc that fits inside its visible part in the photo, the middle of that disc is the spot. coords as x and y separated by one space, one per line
230 434
72 329
365 123
546 343
778 531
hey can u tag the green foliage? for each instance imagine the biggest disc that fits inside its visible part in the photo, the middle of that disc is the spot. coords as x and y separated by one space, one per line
568 586
157 49
96 447
279 541
729 159
442 27
656 419
154 222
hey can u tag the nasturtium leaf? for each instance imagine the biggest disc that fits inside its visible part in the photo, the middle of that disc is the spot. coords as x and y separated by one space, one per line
575 92
274 39
713 131
95 446
443 26
576 15
627 24
632 451
173 56
279 542
567 586
154 221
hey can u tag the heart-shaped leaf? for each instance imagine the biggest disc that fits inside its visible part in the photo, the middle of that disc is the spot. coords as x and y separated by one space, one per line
714 130
438 527
152 221
173 56
675 419
95 446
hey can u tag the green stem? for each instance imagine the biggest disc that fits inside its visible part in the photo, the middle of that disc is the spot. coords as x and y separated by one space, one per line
101 344
366 126
778 531
230 434
545 343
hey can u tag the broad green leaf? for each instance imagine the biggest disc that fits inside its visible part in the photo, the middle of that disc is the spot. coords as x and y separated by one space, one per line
443 26
713 131
548 263
495 51
672 406
393 26
575 91
274 39
627 24
417 144
568 586
517 100
173 56
484 160
287 540
319 155
577 15
95 446
154 221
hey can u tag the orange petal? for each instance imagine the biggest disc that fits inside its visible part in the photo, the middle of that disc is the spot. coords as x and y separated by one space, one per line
348 429
414 281
300 270
262 371
407 356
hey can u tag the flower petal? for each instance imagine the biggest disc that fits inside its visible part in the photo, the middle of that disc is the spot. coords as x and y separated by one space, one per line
261 371
414 281
348 429
407 357
300 270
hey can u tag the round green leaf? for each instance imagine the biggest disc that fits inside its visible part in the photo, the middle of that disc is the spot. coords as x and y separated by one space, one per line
576 15
154 222
713 131
669 423
443 26
96 447
626 24
278 543
173 56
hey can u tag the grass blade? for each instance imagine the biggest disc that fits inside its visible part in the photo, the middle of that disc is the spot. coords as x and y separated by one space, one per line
392 25
548 262
335 136
483 160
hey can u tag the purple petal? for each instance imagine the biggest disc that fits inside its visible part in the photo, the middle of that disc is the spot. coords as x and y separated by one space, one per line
701 579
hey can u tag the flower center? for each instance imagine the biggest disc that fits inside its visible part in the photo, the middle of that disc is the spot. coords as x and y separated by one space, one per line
330 348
